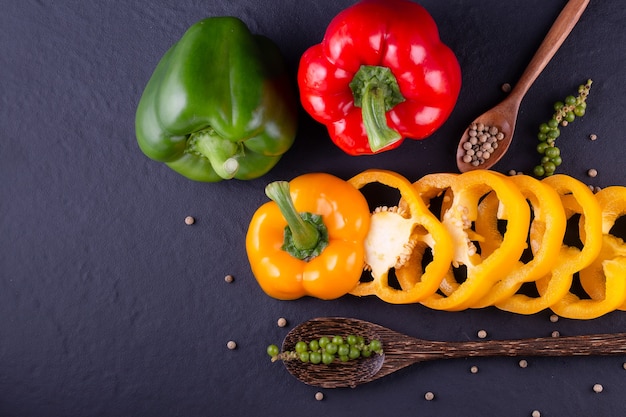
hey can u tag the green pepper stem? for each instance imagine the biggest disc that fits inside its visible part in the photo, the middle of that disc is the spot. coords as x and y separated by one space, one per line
376 91
221 153
305 234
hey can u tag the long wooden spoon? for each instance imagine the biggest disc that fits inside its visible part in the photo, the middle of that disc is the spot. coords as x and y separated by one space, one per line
504 115
400 351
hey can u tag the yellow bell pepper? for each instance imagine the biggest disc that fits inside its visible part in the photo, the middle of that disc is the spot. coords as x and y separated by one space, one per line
396 235
310 239
546 233
554 287
459 214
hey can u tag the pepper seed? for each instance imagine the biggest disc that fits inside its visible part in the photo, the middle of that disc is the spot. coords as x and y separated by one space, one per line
231 345
598 388
474 369
229 278
535 413
429 396
592 172
523 363
282 322
482 334
189 220
319 396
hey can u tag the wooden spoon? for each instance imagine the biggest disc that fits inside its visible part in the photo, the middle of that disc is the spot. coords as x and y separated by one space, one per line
504 115
400 351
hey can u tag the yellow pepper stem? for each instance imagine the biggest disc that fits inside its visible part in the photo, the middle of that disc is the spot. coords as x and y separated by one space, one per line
306 235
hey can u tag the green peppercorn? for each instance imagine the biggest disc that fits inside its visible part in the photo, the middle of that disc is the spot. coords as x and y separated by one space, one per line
549 167
579 111
552 152
539 171
541 148
566 112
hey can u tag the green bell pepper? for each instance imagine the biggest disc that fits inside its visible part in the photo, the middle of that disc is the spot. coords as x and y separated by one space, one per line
219 104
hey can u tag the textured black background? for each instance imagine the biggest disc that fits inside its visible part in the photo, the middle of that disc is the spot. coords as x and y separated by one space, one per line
111 306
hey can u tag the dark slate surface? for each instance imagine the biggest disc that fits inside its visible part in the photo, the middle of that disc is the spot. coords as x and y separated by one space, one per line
111 306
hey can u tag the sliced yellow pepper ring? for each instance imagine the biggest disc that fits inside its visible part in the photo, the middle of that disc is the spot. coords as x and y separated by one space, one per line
603 279
466 190
554 287
393 235
546 234
594 278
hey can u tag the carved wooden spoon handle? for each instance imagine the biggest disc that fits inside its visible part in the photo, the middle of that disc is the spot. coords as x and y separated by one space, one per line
586 345
557 34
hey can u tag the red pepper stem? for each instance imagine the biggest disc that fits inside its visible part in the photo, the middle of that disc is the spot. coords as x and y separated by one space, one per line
222 153
376 91
379 134
305 234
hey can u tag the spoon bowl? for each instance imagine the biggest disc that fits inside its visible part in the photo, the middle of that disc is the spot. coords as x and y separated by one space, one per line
353 372
504 115
400 351
499 117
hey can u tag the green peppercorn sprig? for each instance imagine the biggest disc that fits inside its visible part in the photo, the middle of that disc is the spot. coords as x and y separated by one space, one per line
328 349
565 113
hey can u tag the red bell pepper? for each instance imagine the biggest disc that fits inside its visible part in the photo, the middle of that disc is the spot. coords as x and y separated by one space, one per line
380 74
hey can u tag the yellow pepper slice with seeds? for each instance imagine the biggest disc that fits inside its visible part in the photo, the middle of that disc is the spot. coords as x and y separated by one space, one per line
394 235
458 216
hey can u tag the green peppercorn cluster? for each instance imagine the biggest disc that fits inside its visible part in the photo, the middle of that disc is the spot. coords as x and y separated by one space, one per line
327 349
565 112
